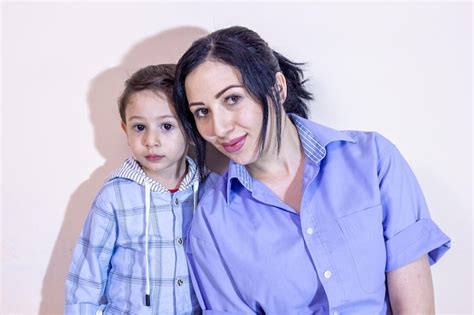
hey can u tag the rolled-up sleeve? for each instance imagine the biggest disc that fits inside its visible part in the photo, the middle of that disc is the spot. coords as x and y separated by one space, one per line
409 230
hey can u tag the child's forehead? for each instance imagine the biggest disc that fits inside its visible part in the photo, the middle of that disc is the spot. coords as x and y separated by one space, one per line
150 104
149 94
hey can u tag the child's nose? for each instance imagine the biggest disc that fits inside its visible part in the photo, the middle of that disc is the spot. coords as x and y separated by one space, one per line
152 139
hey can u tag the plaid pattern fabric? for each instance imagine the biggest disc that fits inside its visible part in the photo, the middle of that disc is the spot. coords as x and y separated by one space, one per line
108 265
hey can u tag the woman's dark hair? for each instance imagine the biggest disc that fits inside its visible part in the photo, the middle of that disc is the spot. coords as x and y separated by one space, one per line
257 63
155 78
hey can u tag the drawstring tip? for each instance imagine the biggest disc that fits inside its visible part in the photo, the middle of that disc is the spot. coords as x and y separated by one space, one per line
147 299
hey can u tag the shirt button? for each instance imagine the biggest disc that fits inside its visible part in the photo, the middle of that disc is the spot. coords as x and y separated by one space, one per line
309 231
327 274
176 201
180 241
179 282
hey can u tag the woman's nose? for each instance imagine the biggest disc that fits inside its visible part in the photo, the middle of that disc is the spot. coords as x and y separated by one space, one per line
222 125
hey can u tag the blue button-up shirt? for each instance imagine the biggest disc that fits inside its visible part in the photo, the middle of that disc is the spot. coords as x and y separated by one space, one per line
362 215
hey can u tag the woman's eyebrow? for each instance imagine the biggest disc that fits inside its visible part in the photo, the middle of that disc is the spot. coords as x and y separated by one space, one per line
218 94
196 104
225 89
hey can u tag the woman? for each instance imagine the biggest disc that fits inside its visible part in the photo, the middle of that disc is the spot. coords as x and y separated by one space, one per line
307 219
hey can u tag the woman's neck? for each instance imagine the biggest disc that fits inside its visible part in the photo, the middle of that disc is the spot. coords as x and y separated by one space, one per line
273 165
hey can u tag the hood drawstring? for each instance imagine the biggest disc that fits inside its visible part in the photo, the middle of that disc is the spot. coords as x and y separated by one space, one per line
195 195
147 220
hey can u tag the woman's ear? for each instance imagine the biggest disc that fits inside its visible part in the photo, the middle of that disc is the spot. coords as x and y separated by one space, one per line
280 84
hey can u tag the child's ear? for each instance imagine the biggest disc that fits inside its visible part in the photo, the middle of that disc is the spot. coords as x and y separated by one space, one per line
124 127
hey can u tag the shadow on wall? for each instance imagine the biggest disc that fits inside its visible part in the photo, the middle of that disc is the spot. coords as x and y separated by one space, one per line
104 90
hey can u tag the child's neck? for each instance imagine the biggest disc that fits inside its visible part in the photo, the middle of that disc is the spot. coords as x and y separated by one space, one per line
172 177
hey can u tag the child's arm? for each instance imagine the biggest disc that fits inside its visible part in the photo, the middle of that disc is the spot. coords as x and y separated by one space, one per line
87 277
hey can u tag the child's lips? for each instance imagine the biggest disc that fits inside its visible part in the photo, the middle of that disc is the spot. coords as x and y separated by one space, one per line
154 157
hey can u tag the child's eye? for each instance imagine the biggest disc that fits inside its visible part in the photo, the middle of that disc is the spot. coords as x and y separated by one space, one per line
201 112
139 127
232 99
167 126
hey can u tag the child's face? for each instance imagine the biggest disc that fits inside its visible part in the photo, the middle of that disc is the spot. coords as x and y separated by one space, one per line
155 135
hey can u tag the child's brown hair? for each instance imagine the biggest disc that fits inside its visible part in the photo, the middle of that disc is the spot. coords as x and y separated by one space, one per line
155 78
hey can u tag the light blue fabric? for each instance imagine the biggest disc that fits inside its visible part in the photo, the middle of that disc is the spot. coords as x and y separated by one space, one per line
362 214
108 265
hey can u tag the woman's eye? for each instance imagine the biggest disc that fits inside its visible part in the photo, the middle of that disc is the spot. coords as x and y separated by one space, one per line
167 126
201 112
232 99
139 127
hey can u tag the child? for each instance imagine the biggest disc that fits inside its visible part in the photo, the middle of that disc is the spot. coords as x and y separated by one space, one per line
130 257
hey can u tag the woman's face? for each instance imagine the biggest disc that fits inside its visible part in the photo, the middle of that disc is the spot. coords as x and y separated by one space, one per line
225 113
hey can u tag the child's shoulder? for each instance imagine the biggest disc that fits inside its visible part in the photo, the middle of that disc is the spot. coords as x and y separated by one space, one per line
116 188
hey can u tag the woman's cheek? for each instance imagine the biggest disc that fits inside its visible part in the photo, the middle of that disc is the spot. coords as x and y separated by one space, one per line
205 130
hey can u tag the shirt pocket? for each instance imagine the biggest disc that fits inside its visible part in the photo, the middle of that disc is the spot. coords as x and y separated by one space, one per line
363 232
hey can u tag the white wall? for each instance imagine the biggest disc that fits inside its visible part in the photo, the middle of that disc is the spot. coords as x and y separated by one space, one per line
400 68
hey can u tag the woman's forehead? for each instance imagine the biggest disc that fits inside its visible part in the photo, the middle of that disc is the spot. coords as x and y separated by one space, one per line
215 68
211 77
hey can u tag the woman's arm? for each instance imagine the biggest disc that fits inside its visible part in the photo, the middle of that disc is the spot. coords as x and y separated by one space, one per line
410 288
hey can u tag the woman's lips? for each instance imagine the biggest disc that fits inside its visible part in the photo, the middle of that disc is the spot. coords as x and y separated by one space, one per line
154 157
235 144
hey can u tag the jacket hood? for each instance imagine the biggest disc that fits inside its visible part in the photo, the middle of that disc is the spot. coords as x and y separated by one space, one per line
131 170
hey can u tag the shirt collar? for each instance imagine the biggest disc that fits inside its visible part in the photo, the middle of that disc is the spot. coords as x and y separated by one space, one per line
239 172
314 138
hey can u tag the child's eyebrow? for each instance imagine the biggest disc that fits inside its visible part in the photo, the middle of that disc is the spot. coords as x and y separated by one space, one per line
167 116
134 117
159 117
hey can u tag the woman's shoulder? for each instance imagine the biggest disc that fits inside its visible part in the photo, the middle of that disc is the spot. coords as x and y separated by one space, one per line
211 186
371 142
210 181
